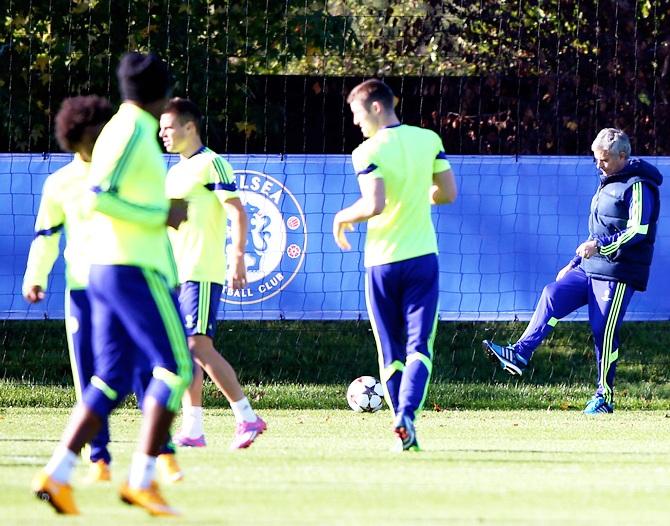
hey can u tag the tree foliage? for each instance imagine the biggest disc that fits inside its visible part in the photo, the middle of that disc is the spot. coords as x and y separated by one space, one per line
490 76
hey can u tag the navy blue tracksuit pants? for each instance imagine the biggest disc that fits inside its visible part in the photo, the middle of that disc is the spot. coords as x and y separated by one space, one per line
80 343
607 302
402 301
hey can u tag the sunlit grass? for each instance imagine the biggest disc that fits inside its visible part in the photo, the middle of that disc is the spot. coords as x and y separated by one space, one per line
335 467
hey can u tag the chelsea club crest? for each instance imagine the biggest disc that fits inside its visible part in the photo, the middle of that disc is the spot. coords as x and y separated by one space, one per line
276 237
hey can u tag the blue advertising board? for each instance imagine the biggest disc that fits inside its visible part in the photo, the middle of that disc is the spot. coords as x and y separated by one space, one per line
516 222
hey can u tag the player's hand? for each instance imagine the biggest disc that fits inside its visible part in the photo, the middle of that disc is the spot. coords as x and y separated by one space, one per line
178 213
238 280
587 249
340 229
34 294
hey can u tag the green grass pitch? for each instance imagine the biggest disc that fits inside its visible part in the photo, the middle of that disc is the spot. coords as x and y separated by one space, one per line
334 467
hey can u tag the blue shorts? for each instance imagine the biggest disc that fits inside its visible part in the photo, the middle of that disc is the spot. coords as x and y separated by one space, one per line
78 325
79 332
199 303
135 318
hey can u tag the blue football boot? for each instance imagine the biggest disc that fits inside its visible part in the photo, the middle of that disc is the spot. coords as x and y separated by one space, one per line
597 405
403 427
510 360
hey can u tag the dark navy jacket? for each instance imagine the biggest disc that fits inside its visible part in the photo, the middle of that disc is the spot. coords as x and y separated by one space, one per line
627 242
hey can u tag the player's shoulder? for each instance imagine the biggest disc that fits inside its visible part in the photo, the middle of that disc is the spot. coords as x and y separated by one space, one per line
196 163
363 155
119 123
367 148
115 135
72 170
421 134
55 181
218 163
204 157
216 157
360 148
644 171
423 141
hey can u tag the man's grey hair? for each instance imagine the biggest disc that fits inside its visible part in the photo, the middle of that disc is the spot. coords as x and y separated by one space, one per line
612 140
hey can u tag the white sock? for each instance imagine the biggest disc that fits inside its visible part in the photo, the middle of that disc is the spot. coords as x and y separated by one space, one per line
192 425
142 470
61 465
242 411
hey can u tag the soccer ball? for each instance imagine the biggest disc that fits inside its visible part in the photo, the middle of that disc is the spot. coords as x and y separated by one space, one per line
365 394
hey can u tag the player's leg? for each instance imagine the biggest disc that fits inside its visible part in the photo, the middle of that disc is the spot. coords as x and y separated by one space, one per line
420 282
141 489
106 389
558 299
420 306
52 483
166 462
608 302
80 344
191 296
383 300
149 314
192 432
199 302
248 424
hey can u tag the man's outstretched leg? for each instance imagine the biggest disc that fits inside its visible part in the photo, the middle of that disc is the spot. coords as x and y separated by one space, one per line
558 299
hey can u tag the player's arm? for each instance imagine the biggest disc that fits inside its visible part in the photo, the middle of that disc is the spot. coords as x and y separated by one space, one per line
444 189
107 180
44 249
238 233
109 202
640 210
221 181
370 204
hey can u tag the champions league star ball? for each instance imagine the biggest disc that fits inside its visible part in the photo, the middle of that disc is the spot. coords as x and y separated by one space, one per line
365 394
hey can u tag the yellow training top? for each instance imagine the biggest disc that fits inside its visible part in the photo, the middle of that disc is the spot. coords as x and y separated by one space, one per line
129 201
405 157
206 181
61 209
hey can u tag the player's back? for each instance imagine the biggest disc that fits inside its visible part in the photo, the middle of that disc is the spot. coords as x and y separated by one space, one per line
128 176
68 187
206 181
405 157
62 209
